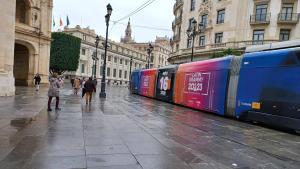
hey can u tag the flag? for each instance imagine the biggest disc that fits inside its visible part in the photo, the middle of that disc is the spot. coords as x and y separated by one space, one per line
53 22
61 22
68 21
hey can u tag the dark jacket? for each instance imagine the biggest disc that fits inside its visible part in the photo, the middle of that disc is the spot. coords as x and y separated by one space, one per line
89 86
37 79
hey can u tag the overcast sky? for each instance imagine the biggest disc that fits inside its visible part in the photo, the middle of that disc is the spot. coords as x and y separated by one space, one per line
91 13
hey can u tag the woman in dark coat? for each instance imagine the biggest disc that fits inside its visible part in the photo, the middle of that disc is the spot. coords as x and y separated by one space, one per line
37 81
89 87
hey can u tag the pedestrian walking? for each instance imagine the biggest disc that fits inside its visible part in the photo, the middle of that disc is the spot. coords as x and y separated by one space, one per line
72 81
37 81
83 89
53 91
77 86
89 89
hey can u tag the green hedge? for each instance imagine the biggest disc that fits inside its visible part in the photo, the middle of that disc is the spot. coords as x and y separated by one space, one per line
65 52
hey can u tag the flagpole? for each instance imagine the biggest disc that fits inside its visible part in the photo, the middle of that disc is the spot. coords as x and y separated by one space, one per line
61 24
68 21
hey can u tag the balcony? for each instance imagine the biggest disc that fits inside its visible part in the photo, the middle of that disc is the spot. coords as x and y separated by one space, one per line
177 5
218 45
288 18
260 19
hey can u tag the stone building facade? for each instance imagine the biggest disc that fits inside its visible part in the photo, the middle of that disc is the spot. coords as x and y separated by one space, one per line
160 53
25 42
118 57
231 24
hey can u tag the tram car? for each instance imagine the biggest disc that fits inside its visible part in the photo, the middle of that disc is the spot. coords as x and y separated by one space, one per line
135 81
262 85
148 82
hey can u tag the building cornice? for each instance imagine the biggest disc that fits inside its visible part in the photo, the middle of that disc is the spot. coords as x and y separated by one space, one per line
30 31
112 51
102 39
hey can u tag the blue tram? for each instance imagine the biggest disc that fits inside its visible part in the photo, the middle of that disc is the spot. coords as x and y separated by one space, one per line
261 86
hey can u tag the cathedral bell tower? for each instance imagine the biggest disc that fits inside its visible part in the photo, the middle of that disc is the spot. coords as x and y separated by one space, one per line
128 31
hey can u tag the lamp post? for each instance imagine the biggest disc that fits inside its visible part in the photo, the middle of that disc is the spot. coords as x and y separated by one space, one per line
93 68
191 33
95 58
103 80
149 51
130 65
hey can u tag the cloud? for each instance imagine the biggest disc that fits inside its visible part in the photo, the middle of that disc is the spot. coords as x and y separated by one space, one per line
91 13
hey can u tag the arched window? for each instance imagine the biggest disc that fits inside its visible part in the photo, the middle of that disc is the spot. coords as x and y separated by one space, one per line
22 11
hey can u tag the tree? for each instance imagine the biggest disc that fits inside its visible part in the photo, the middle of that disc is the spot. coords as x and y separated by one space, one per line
64 54
226 52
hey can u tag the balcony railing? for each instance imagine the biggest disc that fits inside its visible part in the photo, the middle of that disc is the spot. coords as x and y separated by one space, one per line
288 18
241 44
260 18
178 4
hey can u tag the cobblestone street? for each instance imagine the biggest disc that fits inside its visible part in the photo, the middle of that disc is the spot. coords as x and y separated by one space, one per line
132 132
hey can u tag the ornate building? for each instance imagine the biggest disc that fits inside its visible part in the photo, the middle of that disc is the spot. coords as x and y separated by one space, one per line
232 24
128 32
118 57
24 43
161 52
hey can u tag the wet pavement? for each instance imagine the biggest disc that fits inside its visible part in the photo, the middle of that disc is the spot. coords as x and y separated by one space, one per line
133 132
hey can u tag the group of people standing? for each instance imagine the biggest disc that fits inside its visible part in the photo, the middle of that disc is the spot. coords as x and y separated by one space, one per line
87 88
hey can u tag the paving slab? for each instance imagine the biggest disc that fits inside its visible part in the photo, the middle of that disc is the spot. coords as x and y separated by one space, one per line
127 131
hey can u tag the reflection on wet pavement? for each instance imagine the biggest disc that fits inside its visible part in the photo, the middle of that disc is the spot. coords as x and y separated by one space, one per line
133 132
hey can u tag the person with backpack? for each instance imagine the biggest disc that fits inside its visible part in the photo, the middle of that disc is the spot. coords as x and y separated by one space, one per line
89 87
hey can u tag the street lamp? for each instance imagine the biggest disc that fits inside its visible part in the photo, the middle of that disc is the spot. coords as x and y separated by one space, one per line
149 51
93 68
130 65
103 80
95 58
191 33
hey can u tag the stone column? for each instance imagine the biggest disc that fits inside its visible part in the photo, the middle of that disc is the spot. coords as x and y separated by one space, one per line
7 42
